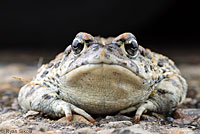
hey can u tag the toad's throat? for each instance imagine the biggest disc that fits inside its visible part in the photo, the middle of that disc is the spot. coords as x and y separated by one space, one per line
102 76
102 85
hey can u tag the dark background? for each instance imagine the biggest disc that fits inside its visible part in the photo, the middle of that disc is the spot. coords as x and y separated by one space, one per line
157 24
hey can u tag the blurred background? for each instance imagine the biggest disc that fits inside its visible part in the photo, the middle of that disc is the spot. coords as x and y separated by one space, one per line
34 32
166 26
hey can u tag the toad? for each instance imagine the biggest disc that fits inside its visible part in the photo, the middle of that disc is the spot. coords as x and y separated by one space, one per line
95 75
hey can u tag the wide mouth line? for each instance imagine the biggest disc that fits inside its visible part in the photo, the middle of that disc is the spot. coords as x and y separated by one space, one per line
105 64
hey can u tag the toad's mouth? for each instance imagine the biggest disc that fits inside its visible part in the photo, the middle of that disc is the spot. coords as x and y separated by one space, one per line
102 86
103 70
106 66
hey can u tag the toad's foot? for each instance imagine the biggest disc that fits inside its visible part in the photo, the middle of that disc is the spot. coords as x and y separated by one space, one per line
148 105
128 110
39 98
63 108
169 93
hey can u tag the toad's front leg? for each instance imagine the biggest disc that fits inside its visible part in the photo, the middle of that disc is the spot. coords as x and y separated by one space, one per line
170 92
40 98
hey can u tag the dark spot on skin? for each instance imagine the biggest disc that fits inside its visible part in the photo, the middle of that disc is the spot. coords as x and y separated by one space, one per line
44 74
124 63
147 55
132 65
159 79
58 92
141 52
180 99
162 91
85 52
46 85
56 98
57 65
151 67
174 83
86 62
110 47
115 49
168 68
137 70
50 82
32 90
54 80
65 58
162 61
46 97
146 69
119 57
182 84
76 66
160 64
49 65
121 54
172 102
83 63
67 51
57 75
141 58
30 103
71 62
163 70
107 55
95 48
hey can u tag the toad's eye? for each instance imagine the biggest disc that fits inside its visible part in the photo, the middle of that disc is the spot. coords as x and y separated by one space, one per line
77 46
131 47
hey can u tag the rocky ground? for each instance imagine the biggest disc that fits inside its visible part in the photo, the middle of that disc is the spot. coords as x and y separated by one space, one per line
182 120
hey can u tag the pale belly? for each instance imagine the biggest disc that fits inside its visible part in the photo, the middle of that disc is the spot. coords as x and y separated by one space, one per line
103 89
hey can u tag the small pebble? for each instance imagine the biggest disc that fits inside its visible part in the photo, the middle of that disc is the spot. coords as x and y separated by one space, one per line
170 119
117 124
198 104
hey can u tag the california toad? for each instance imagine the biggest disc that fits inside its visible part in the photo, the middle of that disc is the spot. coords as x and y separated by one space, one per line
102 76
